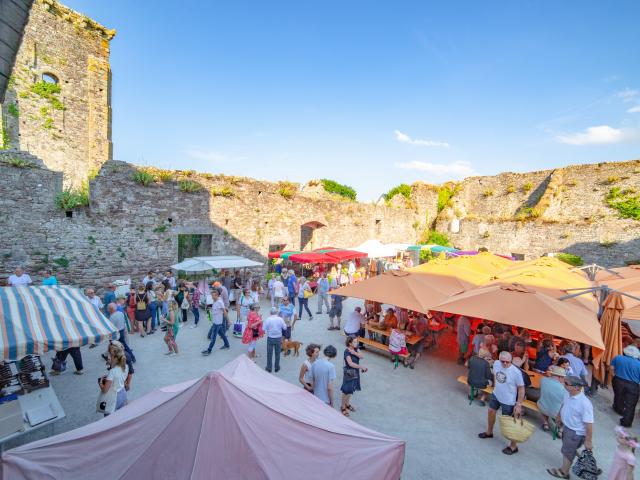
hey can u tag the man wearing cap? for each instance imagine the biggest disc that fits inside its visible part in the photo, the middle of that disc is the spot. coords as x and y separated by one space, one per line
626 384
273 327
552 394
508 395
576 415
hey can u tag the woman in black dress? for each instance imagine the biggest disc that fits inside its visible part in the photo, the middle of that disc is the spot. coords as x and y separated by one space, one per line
351 373
142 310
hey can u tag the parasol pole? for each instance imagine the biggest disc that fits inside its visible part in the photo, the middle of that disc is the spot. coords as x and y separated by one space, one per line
593 269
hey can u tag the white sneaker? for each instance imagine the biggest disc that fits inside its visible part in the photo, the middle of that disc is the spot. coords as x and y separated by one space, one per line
193 326
171 354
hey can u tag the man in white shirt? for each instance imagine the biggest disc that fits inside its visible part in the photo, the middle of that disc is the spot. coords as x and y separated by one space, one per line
19 278
148 278
117 318
273 327
576 414
171 279
218 312
354 322
508 395
93 298
278 291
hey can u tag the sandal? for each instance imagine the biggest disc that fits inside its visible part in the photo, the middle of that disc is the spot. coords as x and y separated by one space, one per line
556 472
345 412
485 435
509 450
545 427
351 408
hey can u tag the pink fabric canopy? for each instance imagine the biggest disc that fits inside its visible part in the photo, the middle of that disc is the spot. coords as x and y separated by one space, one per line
238 422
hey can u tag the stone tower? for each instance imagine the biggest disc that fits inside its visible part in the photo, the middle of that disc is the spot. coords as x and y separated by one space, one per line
58 100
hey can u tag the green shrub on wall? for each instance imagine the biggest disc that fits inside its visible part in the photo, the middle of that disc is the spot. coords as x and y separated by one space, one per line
402 189
431 237
332 186
626 202
189 186
287 190
571 259
69 199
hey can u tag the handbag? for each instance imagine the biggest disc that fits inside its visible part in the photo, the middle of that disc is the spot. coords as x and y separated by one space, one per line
185 304
106 401
237 329
308 293
350 374
516 430
585 466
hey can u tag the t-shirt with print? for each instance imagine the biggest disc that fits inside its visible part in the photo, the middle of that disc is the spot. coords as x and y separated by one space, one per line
217 311
286 312
507 382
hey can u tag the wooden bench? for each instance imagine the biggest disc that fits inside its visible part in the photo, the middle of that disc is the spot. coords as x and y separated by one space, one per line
528 404
378 345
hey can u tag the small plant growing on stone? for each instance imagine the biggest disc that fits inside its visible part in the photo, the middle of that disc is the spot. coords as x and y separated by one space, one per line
70 199
160 229
189 186
20 163
224 191
62 261
511 189
613 179
626 202
13 110
287 190
488 193
143 177
528 213
486 234
48 91
527 187
164 175
91 239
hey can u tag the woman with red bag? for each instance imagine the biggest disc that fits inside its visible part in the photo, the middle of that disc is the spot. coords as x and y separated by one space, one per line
253 331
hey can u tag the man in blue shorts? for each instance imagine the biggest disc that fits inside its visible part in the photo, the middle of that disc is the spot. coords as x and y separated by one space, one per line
508 395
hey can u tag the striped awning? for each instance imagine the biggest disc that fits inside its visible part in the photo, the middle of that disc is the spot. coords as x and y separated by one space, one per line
34 320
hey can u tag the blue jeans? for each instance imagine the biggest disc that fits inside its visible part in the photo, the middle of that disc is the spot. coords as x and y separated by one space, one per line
217 329
154 315
123 341
273 343
303 302
196 314
292 298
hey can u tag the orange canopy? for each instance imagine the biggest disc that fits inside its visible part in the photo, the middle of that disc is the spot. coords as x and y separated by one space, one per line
611 332
622 272
631 286
419 292
515 304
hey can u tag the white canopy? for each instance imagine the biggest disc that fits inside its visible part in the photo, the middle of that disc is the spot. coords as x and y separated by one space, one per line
203 264
375 249
401 247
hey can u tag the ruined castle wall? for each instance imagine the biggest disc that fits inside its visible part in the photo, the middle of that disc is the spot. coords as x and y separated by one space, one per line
129 228
69 129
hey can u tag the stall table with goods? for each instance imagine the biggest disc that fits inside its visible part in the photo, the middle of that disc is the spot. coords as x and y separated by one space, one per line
27 401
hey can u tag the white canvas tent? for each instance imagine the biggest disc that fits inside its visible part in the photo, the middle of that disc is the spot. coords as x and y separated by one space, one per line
375 249
203 264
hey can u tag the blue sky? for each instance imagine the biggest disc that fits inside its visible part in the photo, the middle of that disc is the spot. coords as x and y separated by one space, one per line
372 94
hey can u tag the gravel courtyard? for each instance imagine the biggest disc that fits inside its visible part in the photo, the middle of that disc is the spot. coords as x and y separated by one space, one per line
426 407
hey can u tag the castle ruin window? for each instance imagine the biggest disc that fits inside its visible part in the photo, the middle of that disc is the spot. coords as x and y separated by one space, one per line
50 78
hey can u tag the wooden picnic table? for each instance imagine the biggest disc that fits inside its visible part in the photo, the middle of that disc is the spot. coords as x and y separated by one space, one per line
410 339
535 378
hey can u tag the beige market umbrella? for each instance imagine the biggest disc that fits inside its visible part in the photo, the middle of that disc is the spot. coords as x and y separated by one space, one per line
611 332
524 306
414 291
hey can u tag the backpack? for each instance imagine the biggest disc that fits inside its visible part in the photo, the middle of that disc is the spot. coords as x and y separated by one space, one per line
140 302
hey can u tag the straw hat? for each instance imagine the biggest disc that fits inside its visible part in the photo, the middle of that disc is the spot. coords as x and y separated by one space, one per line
557 371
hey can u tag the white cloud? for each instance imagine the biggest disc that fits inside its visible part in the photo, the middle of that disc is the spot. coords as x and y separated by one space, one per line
601 134
404 138
210 155
628 95
635 109
458 169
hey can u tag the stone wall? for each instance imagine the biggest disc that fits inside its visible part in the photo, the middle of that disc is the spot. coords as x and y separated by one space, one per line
129 228
547 211
68 124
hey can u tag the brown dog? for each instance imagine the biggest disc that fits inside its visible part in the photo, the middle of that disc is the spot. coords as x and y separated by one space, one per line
290 345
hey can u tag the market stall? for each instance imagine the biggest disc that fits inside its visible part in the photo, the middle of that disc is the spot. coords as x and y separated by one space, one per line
35 320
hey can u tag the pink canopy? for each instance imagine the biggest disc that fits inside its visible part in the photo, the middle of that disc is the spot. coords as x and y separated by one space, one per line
238 422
